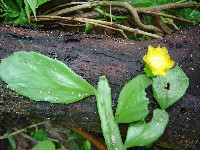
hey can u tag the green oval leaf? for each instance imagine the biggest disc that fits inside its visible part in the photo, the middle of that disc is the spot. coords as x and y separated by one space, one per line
109 127
142 134
132 102
43 79
169 89
44 145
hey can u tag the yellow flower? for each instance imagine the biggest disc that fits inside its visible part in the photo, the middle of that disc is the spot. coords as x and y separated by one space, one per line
158 60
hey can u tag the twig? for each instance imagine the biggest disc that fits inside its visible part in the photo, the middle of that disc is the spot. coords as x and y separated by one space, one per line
105 26
34 141
174 25
132 10
92 139
154 11
22 130
166 15
168 7
57 7
137 31
162 25
85 5
72 25
110 13
92 14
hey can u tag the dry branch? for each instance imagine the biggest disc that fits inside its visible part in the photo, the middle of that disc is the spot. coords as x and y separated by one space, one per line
100 23
155 11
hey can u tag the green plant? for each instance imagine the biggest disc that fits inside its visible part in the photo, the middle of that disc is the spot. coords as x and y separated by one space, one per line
17 11
81 143
56 83
44 145
12 141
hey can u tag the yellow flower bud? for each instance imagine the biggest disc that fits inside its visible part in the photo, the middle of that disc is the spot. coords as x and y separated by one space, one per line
158 60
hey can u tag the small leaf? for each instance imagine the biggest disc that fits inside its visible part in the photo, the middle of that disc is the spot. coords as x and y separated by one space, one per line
40 2
40 135
169 89
87 145
74 136
33 5
19 3
12 141
109 127
189 14
148 72
43 79
27 9
44 145
132 102
79 141
21 19
142 134
88 26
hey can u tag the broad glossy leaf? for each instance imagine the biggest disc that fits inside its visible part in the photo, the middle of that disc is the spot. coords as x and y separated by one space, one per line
169 89
43 79
142 134
132 102
109 127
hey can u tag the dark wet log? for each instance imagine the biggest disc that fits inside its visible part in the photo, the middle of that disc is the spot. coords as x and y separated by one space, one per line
93 56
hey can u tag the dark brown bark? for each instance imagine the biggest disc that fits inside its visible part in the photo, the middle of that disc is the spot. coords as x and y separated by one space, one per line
93 56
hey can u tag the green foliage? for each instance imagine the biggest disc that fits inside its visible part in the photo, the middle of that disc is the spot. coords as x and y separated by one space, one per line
109 127
87 145
148 3
189 14
88 26
74 136
142 134
40 2
43 79
16 11
44 145
13 12
132 102
31 5
148 72
81 143
167 90
56 83
40 135
12 141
